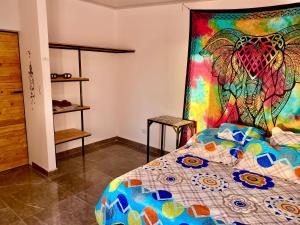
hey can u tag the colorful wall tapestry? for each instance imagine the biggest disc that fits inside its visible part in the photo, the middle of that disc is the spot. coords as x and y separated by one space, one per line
244 67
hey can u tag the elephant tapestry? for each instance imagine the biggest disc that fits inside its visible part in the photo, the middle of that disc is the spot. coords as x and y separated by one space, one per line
244 67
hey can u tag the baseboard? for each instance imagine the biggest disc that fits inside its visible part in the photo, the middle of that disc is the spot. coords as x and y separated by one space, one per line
41 170
88 148
105 143
139 146
96 146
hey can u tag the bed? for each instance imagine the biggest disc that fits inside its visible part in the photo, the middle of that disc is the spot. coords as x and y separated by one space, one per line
211 180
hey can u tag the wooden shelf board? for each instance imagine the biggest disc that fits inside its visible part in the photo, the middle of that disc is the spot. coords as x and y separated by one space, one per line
89 48
73 79
73 109
63 136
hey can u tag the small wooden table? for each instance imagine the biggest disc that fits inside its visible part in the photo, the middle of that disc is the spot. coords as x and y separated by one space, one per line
175 122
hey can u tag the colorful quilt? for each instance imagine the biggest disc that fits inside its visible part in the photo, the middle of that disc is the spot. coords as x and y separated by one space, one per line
285 138
259 156
243 67
184 188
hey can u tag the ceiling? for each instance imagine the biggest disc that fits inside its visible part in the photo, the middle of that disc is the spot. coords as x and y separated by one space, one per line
119 4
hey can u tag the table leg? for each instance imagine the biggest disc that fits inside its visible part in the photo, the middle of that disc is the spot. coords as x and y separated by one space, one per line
148 140
177 138
162 140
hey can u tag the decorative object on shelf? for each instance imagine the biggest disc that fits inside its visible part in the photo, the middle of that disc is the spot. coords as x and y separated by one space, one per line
58 105
65 106
72 108
31 82
176 123
243 67
62 103
64 75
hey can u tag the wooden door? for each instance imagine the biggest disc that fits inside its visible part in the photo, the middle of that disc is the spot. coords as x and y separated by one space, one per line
13 143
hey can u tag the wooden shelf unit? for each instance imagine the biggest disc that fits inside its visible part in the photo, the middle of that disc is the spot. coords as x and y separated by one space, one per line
67 135
73 134
73 79
73 109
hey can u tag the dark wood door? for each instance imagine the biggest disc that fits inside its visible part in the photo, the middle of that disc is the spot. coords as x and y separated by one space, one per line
13 143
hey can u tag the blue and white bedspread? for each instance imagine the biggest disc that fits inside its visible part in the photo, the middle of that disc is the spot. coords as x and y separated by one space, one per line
190 187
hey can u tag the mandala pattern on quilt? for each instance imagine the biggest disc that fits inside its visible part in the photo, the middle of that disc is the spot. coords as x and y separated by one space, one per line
239 204
284 207
253 180
170 178
157 165
191 161
210 182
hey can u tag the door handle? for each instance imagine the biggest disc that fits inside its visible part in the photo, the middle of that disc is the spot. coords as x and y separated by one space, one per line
17 92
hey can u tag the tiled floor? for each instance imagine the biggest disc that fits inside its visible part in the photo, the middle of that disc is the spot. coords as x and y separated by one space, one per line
69 196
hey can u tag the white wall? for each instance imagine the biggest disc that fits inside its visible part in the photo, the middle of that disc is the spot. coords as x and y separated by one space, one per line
34 38
9 15
78 22
152 80
96 26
